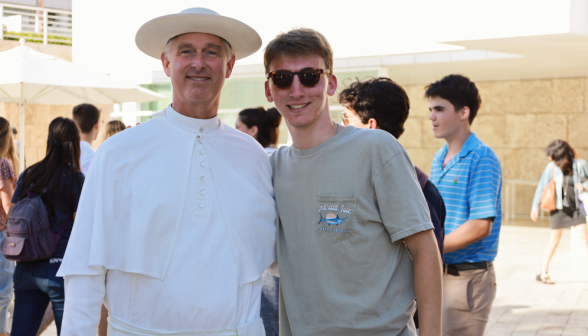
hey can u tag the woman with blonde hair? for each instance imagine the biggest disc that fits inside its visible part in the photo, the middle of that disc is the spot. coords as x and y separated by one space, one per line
8 163
113 127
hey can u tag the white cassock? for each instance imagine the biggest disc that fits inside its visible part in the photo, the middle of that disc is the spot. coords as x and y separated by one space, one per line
175 225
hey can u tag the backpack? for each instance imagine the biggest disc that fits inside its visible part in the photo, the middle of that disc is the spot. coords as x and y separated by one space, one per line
29 236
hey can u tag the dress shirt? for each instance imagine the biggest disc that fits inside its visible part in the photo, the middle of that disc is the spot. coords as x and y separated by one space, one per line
201 288
86 155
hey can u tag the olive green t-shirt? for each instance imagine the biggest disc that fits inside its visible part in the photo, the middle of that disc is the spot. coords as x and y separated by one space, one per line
344 208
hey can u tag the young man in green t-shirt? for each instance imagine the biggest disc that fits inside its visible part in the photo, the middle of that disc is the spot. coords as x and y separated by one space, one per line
349 207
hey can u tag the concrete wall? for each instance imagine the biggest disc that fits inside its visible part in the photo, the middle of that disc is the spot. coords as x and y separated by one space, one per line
517 119
61 51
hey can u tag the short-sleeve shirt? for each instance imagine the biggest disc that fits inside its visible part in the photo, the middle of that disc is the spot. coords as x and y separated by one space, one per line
6 173
344 207
86 156
63 211
471 187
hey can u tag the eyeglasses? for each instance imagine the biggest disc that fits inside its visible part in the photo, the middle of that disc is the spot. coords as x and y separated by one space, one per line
346 119
308 77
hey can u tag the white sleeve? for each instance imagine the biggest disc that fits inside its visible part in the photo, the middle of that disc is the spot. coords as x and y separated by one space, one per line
84 296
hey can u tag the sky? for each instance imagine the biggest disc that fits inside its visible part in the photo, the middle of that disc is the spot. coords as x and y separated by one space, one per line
104 30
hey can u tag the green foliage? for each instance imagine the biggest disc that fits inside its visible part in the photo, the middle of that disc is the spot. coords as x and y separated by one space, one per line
37 38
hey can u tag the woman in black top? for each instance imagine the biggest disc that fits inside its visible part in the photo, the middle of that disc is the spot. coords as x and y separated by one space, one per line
58 179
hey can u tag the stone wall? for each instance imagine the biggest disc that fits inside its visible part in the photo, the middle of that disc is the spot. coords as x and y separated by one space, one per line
517 119
37 119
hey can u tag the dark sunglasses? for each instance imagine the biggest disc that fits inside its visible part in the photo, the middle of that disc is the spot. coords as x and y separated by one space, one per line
308 77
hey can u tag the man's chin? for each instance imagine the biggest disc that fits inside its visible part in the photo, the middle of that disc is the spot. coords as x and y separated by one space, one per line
300 122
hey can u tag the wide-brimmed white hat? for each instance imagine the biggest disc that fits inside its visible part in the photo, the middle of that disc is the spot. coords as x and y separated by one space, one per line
153 35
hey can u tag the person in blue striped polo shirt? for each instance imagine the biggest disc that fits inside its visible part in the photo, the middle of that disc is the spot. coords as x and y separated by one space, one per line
468 175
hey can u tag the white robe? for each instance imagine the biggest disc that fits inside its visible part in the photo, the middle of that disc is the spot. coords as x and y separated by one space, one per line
139 196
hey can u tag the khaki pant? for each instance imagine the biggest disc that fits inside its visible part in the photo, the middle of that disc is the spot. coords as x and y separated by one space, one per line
467 301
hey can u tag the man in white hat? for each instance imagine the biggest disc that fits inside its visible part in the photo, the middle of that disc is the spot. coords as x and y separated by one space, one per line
176 222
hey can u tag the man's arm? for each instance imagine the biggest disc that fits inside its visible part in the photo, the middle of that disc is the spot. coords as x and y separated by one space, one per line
468 233
428 281
84 294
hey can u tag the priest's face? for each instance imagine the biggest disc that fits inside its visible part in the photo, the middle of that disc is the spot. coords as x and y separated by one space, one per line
198 65
302 106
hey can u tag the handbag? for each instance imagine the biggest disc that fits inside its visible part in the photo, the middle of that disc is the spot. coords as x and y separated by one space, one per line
548 195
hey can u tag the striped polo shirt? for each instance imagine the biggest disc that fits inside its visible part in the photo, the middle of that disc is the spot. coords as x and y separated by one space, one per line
471 185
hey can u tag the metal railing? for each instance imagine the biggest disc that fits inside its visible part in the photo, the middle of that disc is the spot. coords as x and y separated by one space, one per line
509 191
36 24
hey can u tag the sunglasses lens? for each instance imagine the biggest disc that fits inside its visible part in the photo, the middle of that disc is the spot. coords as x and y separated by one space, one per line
283 78
309 77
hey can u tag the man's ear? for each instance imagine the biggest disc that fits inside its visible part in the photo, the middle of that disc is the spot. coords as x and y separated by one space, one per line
332 85
373 123
464 113
268 93
165 63
230 66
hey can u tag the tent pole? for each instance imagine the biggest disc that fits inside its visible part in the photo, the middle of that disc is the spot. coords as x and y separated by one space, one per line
22 157
22 138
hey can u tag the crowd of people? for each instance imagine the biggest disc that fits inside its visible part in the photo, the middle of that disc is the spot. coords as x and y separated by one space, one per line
184 226
57 180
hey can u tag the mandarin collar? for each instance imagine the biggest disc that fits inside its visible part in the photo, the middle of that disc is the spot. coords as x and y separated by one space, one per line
192 125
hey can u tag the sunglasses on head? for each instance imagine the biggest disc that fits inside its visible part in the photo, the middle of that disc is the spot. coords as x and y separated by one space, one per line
308 77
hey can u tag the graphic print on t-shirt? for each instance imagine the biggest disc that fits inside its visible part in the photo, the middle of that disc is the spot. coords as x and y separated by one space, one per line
335 217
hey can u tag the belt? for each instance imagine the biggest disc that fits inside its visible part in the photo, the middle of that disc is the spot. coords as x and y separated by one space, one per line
453 269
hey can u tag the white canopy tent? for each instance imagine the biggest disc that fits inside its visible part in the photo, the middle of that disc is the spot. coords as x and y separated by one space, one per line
28 76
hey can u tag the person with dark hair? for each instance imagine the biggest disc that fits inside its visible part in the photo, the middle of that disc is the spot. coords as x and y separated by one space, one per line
87 117
350 208
58 179
263 125
468 175
379 103
570 175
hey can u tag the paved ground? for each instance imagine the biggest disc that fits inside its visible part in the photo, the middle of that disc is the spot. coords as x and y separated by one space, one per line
523 306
